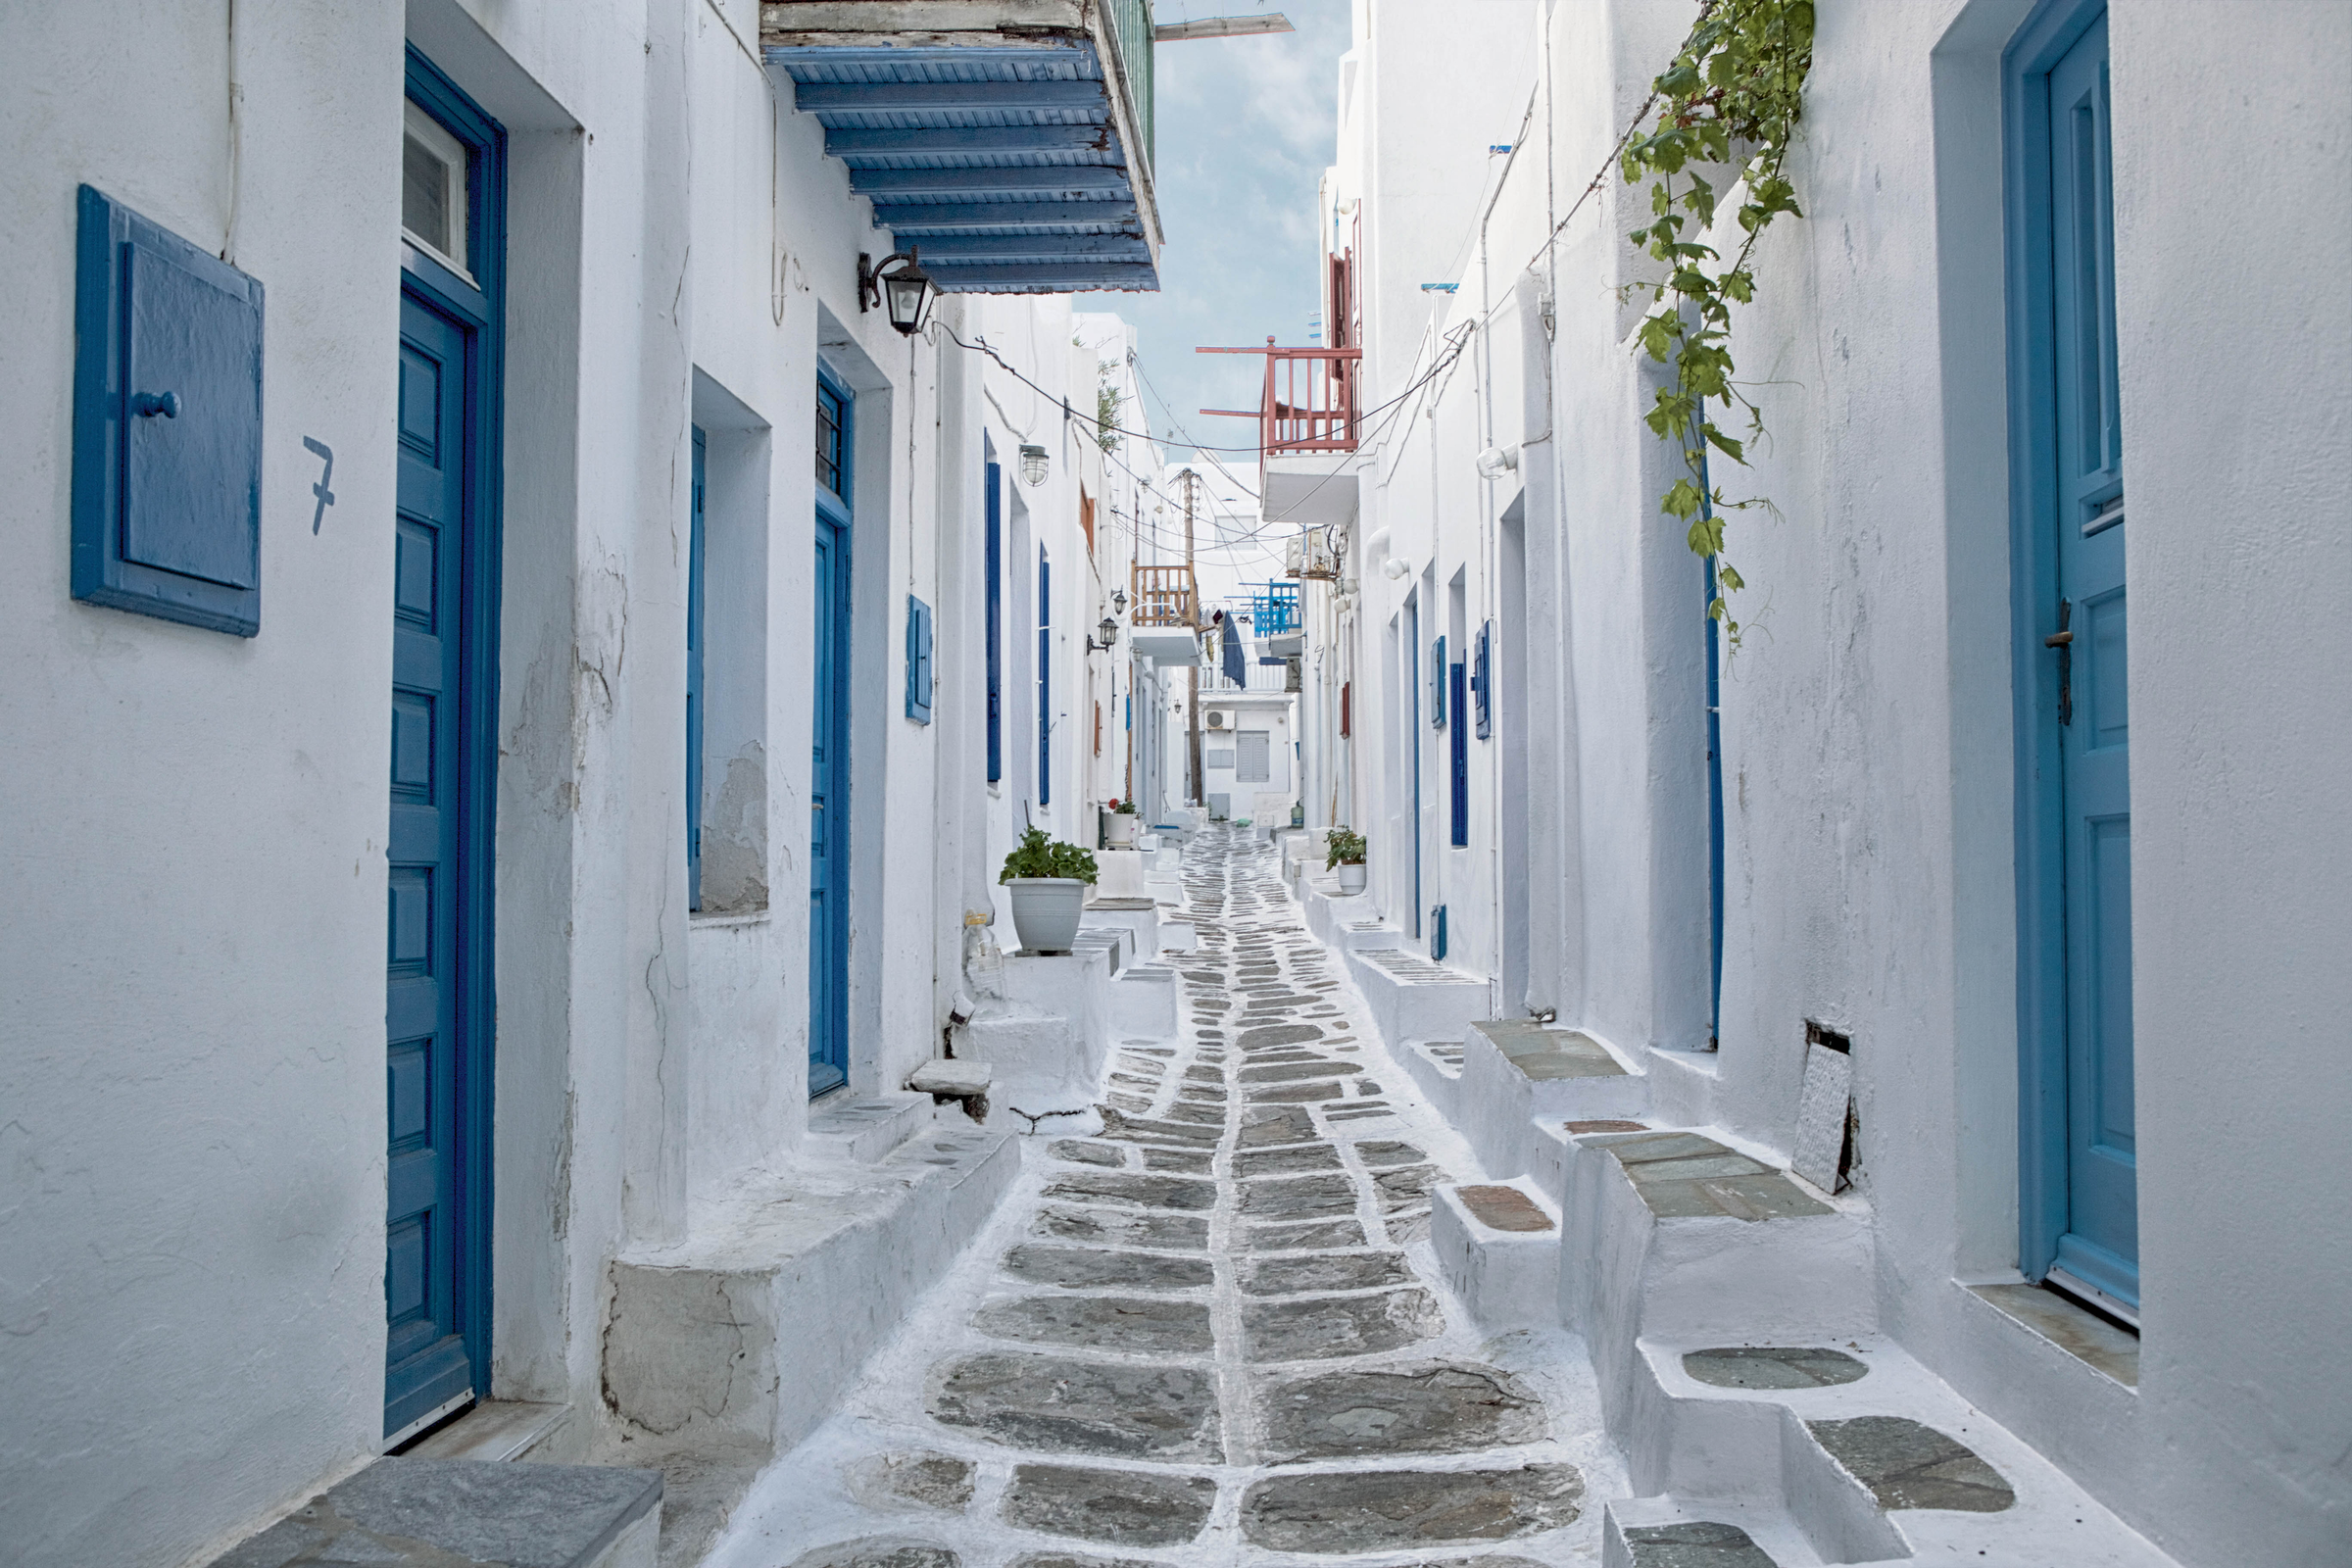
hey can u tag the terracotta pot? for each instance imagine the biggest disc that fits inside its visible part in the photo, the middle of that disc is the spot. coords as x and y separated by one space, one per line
1351 878
1046 910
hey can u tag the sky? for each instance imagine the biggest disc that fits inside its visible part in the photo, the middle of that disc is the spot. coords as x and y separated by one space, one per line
1245 130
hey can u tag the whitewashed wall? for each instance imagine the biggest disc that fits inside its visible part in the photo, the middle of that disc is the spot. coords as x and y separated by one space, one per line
193 1231
1867 721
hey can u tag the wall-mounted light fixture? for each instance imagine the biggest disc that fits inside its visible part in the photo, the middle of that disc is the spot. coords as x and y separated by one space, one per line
1118 600
1108 632
1034 465
1495 462
1394 570
899 284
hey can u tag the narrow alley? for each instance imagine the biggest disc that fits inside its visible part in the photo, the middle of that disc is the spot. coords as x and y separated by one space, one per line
1212 1323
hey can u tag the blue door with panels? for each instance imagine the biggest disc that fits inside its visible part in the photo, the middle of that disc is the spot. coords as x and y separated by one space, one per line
1045 680
2081 1197
828 726
439 1009
694 683
993 611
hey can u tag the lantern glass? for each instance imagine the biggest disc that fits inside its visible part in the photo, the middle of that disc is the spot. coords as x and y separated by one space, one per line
907 291
1108 631
1034 465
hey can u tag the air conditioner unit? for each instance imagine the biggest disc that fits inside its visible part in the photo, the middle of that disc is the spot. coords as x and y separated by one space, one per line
1219 719
1318 553
1294 556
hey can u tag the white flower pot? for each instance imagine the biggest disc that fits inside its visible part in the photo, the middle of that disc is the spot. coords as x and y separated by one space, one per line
1118 829
1046 910
1351 878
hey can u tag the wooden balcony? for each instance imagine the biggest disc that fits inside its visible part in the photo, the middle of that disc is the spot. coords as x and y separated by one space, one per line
1309 400
1165 596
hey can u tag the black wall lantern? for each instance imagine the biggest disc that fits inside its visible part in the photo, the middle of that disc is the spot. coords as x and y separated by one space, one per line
1108 632
899 284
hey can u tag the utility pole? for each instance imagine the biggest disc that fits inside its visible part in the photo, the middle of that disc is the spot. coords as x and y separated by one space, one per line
1192 709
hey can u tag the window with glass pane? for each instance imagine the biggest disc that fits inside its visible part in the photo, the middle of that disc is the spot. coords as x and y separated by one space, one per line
433 181
828 439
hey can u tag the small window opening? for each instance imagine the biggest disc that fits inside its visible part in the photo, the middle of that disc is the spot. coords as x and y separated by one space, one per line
434 167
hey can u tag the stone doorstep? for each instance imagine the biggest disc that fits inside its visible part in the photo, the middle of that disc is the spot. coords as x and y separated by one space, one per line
426 1512
494 1430
1543 1054
865 1131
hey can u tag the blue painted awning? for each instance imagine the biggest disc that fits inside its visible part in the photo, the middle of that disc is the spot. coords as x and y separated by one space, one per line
1005 167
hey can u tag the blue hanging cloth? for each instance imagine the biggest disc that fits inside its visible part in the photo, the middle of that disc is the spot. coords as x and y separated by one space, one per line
1235 670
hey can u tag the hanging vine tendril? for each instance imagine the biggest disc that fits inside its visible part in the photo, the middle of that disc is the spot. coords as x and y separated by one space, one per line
1732 97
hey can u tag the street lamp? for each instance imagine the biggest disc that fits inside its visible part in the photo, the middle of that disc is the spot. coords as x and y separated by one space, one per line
899 284
1034 465
1108 632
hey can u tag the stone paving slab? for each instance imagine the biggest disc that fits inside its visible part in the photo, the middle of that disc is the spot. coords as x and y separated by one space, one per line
1907 1466
1208 1335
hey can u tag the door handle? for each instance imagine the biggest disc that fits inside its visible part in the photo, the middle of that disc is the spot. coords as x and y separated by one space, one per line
2063 641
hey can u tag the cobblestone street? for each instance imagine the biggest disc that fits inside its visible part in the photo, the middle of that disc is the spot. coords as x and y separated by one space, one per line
1208 1330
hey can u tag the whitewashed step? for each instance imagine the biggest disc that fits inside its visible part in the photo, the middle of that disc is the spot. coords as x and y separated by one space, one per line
1645 1533
1519 1075
867 1130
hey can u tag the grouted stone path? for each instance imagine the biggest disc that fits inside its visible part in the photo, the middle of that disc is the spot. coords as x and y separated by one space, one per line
1207 1329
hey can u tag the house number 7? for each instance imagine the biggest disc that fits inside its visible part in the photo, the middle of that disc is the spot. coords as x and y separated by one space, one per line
326 497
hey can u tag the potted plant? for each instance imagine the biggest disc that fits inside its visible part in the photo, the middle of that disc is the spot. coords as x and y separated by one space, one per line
1344 852
1049 881
1119 823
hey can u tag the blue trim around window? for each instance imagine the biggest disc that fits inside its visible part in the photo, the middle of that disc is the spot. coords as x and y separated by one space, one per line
919 661
1045 679
483 309
695 696
993 611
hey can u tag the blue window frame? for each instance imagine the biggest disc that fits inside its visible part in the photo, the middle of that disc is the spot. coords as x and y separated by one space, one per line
167 507
993 612
694 683
2076 1137
1045 679
919 661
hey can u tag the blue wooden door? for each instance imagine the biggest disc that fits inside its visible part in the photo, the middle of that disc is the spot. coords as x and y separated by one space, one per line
1458 740
1045 679
828 726
2090 646
992 611
429 1364
694 685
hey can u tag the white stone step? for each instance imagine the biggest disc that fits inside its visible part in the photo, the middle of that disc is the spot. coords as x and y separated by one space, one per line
864 1130
1410 998
1498 1244
1520 1076
1632 1529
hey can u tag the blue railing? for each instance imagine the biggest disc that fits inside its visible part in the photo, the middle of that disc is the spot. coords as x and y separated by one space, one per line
1274 608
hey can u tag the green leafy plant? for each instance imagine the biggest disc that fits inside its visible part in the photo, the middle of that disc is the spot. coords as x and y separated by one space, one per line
1106 409
1123 807
1038 856
1344 847
1732 97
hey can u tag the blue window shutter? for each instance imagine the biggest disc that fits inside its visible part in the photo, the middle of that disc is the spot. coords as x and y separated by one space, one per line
1437 685
994 486
167 425
919 661
1482 681
1045 680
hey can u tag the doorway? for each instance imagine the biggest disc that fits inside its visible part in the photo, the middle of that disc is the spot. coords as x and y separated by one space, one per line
438 1009
2078 1200
828 728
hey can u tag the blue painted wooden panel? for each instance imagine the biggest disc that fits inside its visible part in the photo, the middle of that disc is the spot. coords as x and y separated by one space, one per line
167 425
427 1357
1437 684
1458 743
993 612
2101 1242
1482 680
1045 679
1412 742
695 643
829 730
2079 1204
919 661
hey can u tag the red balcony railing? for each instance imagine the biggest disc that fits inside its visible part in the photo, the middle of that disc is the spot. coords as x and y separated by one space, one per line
1310 402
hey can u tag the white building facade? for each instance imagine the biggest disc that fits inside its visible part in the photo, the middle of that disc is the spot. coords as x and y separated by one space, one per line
546 457
1877 822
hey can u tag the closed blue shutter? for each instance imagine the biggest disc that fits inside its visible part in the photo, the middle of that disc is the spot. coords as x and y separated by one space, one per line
1437 685
167 425
919 661
1482 682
